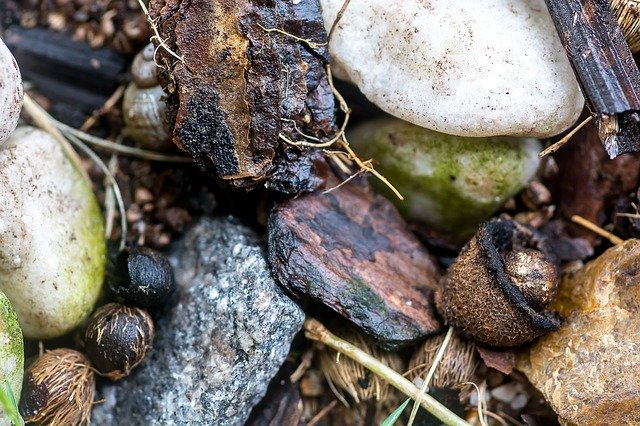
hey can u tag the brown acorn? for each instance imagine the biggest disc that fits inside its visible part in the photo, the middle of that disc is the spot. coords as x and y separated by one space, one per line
58 389
117 339
496 290
350 376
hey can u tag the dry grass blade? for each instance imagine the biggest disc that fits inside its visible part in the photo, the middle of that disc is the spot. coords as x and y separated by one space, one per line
121 149
556 146
432 370
114 185
614 239
44 121
314 330
358 382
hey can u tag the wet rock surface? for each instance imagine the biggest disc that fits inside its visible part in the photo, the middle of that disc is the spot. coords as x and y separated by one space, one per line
588 369
351 250
217 349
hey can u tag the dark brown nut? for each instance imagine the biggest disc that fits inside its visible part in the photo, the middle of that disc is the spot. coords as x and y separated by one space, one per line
117 339
351 377
457 366
496 291
58 389
143 277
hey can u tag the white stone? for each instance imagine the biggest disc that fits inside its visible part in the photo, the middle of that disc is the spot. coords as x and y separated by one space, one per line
468 68
52 245
10 93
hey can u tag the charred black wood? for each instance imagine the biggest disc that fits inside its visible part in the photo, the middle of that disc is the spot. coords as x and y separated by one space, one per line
605 69
74 77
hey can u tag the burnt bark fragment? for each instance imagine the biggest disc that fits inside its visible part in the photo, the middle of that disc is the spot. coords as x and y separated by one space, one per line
245 77
605 69
351 250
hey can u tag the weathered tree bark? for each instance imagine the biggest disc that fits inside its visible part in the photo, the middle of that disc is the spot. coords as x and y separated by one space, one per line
249 71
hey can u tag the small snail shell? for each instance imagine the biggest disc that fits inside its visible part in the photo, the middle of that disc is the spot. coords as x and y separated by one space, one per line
496 290
10 93
143 107
628 14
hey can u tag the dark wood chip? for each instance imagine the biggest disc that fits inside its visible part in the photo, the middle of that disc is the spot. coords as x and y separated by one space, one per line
351 250
605 68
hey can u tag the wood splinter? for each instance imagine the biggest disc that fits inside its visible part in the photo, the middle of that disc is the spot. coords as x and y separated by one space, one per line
605 69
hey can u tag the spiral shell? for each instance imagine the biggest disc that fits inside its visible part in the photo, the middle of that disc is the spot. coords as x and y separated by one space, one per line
143 106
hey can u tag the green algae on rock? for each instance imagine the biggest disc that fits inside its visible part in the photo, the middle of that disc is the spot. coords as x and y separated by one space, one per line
52 246
450 182
11 352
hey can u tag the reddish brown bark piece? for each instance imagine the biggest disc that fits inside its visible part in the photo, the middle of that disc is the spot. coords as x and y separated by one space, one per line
351 250
502 360
242 82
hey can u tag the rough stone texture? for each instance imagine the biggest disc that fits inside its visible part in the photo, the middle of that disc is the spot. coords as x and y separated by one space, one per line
351 250
217 349
468 68
588 370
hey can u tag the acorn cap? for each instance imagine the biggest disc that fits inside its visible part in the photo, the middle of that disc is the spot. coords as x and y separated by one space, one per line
117 339
482 300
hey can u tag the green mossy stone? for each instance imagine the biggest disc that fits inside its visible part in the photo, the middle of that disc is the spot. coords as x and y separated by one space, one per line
52 245
11 347
452 183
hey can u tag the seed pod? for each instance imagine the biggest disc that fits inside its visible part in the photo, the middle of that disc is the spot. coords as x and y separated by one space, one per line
350 376
496 291
628 15
143 277
143 106
457 366
117 339
58 389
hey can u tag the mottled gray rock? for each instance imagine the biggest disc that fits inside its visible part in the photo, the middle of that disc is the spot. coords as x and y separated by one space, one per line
217 349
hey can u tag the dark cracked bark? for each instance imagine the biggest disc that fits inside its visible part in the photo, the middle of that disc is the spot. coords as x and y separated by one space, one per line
351 250
240 85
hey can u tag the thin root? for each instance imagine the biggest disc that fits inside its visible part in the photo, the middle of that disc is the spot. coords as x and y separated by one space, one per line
312 44
153 23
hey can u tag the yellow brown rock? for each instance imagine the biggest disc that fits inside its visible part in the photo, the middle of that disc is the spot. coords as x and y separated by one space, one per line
588 370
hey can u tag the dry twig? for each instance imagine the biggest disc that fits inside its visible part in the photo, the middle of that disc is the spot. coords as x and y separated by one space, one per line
314 330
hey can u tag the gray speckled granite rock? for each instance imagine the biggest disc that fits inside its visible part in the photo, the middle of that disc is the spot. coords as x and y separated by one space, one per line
218 347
